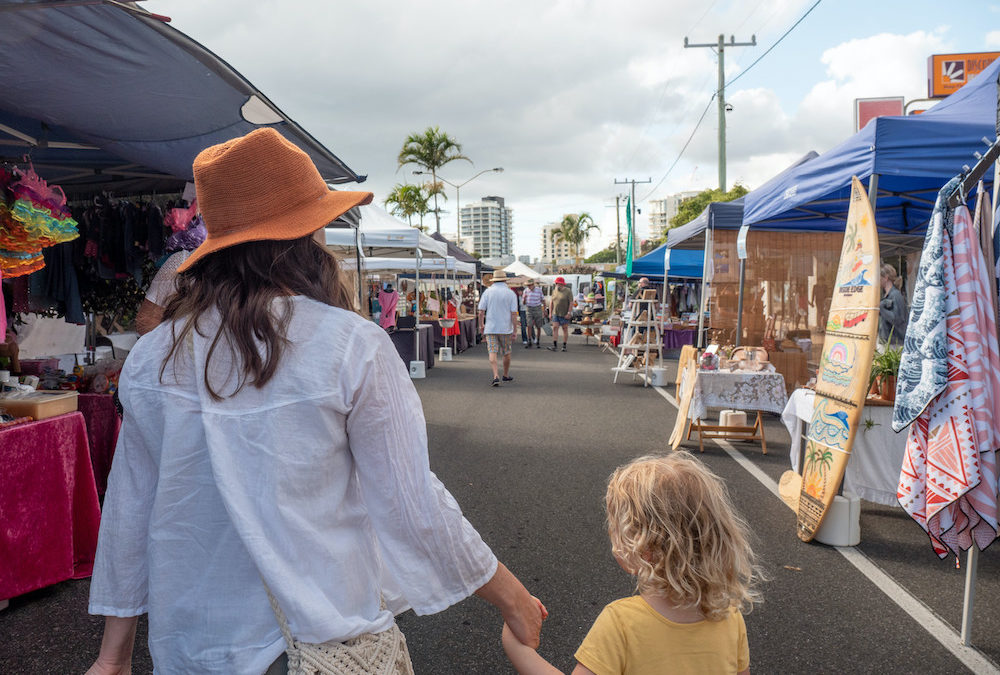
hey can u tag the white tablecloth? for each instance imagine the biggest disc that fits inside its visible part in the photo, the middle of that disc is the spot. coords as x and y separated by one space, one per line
764 392
876 456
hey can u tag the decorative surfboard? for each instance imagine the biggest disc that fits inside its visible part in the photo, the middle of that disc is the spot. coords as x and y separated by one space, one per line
842 377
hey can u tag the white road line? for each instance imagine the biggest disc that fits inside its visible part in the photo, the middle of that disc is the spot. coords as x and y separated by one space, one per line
949 638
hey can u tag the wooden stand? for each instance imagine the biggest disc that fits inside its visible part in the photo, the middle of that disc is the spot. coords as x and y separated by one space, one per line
739 433
636 348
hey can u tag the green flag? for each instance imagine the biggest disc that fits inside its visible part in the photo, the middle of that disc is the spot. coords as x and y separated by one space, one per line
628 224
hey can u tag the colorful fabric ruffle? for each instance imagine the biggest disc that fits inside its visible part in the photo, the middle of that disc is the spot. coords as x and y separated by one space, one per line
33 216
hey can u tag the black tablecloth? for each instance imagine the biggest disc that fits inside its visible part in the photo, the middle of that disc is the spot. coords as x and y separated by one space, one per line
403 339
465 339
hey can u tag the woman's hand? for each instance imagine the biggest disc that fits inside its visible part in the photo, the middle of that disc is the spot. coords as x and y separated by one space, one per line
521 611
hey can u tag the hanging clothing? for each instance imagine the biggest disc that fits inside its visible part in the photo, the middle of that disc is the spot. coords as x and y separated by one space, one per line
948 389
451 312
388 301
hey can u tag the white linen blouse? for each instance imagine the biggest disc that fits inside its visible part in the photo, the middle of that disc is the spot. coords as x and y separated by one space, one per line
318 482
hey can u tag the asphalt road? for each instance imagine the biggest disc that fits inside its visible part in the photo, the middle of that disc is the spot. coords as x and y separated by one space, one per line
528 463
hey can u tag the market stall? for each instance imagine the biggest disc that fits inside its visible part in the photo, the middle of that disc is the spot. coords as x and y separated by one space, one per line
876 455
48 504
91 128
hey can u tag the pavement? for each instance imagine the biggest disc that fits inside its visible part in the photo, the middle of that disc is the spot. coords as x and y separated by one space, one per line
528 462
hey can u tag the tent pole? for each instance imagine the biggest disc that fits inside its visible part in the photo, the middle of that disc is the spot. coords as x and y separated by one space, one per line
357 256
971 565
739 302
703 300
873 189
416 312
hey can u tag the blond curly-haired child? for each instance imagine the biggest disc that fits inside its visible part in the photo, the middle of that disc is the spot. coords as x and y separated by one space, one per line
673 527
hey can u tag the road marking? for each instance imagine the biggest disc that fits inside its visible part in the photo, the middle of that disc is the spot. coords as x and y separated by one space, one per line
949 638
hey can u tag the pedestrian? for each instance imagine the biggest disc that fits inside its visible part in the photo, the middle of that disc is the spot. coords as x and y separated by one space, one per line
534 303
498 319
273 453
892 311
560 311
522 315
673 527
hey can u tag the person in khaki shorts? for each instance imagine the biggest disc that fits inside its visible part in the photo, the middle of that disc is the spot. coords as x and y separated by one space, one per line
498 318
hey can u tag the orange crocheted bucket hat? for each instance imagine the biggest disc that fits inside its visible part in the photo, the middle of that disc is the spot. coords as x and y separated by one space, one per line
262 186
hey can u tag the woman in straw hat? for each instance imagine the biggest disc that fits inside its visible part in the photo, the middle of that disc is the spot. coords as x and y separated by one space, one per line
277 449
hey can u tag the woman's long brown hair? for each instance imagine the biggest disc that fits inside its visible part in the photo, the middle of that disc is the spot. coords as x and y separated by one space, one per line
240 283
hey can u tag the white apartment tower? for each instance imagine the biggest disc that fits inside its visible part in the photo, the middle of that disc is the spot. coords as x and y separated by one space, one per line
489 225
662 210
552 248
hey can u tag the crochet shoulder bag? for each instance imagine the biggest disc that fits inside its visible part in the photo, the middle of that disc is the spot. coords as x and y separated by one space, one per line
368 654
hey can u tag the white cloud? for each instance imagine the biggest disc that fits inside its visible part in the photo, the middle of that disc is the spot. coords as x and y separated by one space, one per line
567 96
993 37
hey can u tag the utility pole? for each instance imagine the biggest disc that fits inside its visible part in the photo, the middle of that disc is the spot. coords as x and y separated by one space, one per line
720 50
632 181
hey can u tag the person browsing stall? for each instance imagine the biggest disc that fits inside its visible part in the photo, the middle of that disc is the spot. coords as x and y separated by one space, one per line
892 311
272 470
498 319
673 527
560 310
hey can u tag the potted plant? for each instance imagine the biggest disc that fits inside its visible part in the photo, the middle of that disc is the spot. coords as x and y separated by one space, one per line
885 369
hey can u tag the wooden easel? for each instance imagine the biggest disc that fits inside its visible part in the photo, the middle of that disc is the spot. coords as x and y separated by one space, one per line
739 433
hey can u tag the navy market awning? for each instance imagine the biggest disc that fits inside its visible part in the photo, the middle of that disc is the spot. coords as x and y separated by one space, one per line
105 96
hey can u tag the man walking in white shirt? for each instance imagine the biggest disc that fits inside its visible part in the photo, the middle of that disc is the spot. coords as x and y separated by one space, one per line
498 319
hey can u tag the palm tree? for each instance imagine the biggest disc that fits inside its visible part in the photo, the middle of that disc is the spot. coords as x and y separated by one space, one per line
431 150
407 201
574 230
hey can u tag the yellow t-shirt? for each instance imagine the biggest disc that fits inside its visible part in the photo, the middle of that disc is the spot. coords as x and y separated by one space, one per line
631 637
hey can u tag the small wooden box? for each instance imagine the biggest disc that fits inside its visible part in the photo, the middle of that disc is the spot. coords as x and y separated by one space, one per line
40 405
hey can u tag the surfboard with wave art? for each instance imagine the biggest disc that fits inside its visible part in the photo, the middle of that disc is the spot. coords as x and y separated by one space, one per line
842 377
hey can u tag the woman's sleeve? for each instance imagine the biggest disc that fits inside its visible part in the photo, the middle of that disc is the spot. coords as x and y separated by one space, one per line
120 583
431 551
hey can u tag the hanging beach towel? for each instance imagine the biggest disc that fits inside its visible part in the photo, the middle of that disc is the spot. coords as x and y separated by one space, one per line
948 390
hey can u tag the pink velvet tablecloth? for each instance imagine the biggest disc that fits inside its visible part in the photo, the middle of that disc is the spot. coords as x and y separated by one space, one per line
103 424
49 513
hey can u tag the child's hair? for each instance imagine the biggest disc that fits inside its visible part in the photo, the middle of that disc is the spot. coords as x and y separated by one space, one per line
673 526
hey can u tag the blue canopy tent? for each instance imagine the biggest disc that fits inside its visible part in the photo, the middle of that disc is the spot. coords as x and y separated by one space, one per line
684 264
907 160
106 96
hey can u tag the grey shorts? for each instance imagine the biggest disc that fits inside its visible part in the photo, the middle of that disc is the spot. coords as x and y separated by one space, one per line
536 316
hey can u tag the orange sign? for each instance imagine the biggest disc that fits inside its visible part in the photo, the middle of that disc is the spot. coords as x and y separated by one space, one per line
946 73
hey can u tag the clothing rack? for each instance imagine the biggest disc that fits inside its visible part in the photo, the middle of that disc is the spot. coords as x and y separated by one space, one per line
973 175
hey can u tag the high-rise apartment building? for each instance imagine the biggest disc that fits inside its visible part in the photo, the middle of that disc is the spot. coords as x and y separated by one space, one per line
552 248
662 210
489 224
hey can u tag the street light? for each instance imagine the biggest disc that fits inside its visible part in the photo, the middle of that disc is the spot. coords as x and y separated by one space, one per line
458 224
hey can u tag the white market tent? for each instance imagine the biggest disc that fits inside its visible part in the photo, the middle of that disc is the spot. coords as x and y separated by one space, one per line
379 234
447 264
382 235
519 269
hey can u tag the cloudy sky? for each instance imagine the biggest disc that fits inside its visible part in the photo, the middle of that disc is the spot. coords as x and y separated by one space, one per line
569 96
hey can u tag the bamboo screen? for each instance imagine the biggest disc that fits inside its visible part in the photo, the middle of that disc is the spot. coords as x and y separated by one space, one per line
789 276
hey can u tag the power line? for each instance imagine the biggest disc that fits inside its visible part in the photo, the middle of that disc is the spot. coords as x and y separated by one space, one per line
681 153
707 107
816 4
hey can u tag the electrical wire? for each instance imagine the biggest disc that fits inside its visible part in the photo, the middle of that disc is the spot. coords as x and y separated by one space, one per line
681 153
758 59
717 92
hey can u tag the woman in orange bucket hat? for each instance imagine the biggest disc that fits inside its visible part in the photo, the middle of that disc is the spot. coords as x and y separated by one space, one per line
273 452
